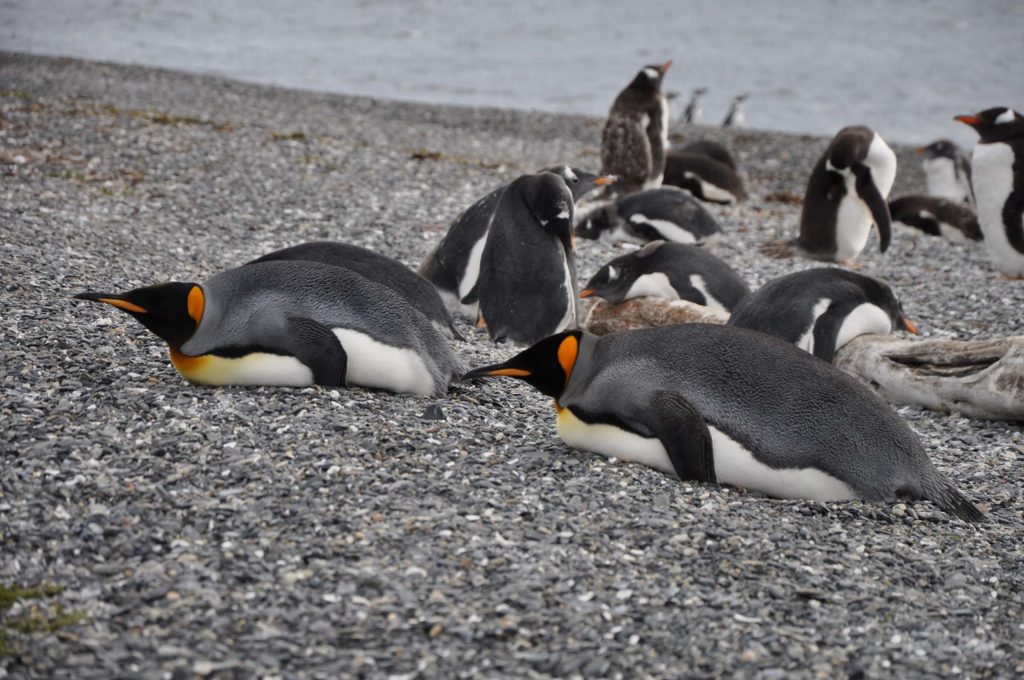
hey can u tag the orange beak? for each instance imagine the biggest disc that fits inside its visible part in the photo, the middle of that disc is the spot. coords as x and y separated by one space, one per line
909 325
586 292
607 179
666 66
970 120
921 149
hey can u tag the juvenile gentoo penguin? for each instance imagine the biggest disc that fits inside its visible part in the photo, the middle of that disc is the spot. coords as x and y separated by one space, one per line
380 268
707 147
527 282
704 176
947 171
722 404
953 220
820 310
845 194
666 213
998 170
694 112
295 324
454 265
736 117
635 138
669 270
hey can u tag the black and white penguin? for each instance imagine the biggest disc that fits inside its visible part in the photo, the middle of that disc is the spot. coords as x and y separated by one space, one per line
669 270
294 324
736 116
527 284
954 221
820 310
998 171
635 138
453 267
693 114
376 267
845 194
707 147
704 176
722 404
667 213
947 171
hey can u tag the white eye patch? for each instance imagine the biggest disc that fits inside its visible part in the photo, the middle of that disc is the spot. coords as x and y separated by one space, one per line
1006 117
651 73
569 174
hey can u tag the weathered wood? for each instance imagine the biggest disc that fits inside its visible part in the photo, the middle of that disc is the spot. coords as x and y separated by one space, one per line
979 378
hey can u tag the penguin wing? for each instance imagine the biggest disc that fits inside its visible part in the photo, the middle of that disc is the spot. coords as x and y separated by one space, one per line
316 346
625 149
868 193
826 328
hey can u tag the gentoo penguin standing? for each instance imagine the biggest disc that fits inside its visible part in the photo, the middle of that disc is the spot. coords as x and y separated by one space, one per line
384 270
527 282
669 270
704 176
666 213
820 310
936 216
998 169
722 404
295 324
736 117
635 138
947 171
845 194
454 265
694 112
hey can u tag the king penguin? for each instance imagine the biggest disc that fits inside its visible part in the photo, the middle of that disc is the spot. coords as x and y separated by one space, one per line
453 267
674 271
820 310
635 137
293 324
947 171
952 220
998 170
722 404
665 213
845 194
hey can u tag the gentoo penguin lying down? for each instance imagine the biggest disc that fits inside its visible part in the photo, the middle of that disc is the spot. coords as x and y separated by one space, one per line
952 220
666 213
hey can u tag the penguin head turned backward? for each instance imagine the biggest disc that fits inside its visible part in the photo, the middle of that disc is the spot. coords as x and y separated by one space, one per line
546 365
650 76
996 124
170 310
580 182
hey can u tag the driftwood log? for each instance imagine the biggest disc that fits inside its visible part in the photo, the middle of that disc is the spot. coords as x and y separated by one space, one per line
979 378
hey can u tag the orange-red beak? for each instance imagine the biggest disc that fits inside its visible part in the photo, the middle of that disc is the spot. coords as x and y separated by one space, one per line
586 292
909 325
607 179
921 149
970 120
666 66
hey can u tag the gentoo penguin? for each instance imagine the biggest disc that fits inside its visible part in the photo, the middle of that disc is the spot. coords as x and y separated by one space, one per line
635 138
527 283
954 221
706 147
736 117
384 270
722 404
295 324
669 270
694 112
704 176
666 213
998 169
454 265
845 194
947 171
820 310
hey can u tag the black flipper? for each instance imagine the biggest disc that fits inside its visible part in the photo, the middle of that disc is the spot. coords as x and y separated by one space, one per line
868 193
681 430
317 347
826 328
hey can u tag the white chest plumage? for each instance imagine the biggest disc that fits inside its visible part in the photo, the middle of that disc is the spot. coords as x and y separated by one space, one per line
992 167
668 229
942 180
853 218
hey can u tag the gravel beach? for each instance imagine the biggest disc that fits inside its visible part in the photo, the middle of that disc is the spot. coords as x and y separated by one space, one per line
273 532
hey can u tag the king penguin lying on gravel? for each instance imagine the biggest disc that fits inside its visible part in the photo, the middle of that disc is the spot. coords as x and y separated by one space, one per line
721 404
295 324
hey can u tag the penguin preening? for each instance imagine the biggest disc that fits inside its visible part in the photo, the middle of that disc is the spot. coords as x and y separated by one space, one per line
704 176
722 404
736 116
666 213
379 268
293 324
845 194
820 310
952 220
998 170
693 114
947 171
669 270
453 267
635 137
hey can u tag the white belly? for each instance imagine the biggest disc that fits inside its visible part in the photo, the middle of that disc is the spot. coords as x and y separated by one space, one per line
669 230
711 191
698 282
992 167
940 177
472 273
865 318
569 318
806 341
655 284
374 364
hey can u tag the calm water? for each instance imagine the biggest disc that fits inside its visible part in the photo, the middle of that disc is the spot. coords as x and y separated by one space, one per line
904 68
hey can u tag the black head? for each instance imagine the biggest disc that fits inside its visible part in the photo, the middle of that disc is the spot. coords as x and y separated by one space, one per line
699 92
882 294
546 365
995 125
171 310
580 182
942 148
595 223
850 146
650 77
613 281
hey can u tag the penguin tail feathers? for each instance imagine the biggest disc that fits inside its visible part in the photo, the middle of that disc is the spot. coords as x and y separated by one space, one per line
942 493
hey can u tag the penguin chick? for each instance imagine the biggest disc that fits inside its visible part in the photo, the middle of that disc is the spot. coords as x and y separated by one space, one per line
294 324
635 137
705 177
726 405
666 213
820 310
936 216
947 171
669 270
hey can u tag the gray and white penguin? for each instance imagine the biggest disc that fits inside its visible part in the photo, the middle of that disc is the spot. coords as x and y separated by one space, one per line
635 137
726 405
693 114
294 324
997 167
674 271
947 171
666 213
820 310
952 220
736 115
704 176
